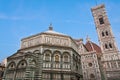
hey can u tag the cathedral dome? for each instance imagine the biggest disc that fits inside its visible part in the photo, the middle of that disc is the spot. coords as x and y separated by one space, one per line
93 47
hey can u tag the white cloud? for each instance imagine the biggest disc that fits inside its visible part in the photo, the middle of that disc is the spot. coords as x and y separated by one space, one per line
3 16
6 17
116 20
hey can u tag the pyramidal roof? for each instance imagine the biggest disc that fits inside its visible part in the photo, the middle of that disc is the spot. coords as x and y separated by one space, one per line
51 31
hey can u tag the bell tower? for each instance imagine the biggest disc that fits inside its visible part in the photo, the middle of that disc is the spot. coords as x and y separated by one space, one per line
110 59
103 27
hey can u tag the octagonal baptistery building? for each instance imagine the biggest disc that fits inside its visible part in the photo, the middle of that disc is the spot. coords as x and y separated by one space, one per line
45 56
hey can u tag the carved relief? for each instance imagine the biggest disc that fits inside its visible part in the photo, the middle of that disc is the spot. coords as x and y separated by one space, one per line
31 42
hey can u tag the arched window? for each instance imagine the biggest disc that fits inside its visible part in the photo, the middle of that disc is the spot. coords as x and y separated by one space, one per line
101 20
47 57
57 58
110 45
106 46
103 34
66 58
22 69
106 33
11 70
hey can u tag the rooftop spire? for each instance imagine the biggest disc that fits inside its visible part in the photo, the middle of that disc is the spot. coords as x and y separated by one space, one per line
50 26
87 39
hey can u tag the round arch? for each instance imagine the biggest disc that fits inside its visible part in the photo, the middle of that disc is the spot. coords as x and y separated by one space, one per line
47 50
66 56
11 65
22 64
36 51
57 56
47 55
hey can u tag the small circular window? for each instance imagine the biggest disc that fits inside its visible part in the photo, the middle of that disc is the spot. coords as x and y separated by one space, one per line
90 64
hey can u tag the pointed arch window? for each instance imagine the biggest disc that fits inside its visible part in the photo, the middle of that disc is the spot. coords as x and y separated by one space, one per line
106 33
103 34
110 45
101 20
106 46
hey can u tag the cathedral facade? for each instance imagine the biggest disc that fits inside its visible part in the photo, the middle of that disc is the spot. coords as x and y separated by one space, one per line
51 55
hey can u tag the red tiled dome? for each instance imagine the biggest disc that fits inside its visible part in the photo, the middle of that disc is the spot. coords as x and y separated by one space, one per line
93 47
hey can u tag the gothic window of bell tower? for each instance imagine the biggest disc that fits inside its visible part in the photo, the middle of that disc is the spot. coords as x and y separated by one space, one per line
101 20
110 45
106 33
103 34
106 46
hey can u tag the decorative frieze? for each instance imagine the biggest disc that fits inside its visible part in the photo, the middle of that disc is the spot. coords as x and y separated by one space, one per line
56 40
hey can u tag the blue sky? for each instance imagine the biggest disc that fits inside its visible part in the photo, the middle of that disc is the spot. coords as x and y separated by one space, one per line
22 18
